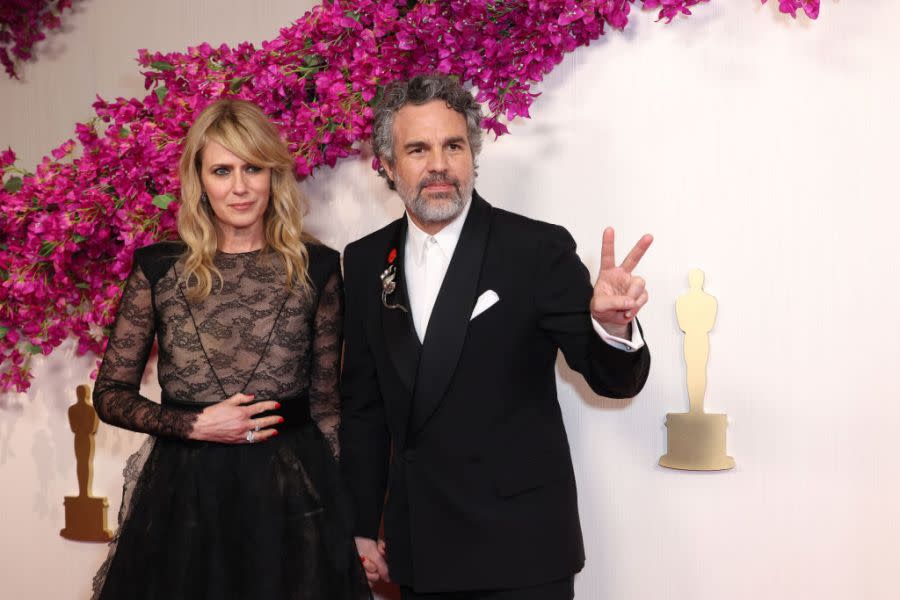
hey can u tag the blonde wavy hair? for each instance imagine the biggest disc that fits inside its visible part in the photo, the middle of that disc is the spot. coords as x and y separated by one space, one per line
243 129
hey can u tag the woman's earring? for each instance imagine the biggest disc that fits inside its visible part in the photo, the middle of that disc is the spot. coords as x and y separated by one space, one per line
204 199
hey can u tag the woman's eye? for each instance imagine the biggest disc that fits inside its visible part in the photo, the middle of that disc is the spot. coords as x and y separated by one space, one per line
252 169
221 171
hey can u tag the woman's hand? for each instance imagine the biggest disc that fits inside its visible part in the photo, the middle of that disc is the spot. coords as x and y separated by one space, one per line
230 421
374 559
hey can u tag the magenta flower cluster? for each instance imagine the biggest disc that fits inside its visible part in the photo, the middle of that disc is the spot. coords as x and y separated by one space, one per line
23 23
68 230
810 7
669 9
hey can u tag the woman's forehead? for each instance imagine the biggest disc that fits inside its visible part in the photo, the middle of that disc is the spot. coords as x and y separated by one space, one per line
214 152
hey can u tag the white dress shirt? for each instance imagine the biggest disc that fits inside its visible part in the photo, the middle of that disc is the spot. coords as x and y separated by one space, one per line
426 258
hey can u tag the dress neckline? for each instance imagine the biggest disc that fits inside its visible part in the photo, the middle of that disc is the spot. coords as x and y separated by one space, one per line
248 252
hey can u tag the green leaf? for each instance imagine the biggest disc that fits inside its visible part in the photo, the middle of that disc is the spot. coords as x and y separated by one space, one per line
163 201
47 248
353 15
82 286
32 349
161 93
379 94
124 132
235 84
78 238
13 185
3 331
312 60
161 65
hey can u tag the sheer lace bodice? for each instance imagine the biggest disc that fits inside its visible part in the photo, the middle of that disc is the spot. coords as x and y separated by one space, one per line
250 335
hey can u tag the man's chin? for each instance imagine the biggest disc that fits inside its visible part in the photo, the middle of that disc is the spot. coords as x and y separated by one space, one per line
434 216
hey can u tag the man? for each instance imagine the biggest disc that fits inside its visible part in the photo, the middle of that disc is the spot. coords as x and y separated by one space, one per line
454 316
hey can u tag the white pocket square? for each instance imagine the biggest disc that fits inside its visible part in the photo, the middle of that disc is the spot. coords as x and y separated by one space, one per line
485 301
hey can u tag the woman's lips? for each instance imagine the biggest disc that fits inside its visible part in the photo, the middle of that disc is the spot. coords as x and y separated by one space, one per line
241 205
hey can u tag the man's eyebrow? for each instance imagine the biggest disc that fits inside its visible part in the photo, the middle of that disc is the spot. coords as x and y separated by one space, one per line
415 144
455 140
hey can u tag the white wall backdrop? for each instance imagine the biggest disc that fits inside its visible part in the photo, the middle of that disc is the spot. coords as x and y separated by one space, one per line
760 149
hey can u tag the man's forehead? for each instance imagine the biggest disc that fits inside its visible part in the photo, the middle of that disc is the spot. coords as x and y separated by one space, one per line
433 118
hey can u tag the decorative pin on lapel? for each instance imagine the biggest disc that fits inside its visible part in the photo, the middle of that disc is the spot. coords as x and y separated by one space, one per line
388 285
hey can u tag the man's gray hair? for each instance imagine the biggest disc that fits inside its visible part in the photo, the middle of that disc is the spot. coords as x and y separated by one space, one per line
422 89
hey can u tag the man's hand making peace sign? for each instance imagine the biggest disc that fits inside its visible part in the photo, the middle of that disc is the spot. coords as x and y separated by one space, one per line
619 295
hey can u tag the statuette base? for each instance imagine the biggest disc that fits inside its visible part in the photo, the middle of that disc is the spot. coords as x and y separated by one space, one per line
696 442
86 519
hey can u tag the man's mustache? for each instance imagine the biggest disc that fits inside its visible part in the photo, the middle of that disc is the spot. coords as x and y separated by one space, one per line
439 179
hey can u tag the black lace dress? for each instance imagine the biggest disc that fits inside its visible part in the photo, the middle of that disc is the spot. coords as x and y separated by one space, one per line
207 520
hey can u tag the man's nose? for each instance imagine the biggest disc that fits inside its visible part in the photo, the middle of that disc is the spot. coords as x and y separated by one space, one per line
437 161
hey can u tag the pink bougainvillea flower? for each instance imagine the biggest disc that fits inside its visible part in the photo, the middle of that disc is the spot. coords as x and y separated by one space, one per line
22 24
810 7
7 157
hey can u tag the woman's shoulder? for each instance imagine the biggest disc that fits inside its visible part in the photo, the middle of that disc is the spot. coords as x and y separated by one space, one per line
319 252
155 259
323 262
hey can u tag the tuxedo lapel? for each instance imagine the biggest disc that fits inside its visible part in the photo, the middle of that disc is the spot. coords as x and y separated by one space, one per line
449 320
399 333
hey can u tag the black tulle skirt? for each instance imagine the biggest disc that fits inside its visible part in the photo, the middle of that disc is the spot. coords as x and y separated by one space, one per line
202 520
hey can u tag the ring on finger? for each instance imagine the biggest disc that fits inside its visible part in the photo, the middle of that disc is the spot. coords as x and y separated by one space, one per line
256 428
250 436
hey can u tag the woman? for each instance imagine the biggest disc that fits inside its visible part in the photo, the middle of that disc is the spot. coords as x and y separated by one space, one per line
236 494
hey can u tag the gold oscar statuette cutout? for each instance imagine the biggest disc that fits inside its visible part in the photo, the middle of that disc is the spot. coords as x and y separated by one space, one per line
85 514
696 440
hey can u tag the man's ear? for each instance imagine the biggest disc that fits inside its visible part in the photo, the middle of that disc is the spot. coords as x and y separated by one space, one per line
388 168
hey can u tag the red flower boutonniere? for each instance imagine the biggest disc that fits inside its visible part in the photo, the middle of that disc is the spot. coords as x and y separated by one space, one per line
388 283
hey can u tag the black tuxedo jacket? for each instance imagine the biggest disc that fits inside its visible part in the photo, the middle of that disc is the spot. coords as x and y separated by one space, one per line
464 432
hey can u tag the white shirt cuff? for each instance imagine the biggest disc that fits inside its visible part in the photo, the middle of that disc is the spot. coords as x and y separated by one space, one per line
633 345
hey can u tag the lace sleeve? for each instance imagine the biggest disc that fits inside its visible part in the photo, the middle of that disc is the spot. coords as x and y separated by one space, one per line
117 397
324 396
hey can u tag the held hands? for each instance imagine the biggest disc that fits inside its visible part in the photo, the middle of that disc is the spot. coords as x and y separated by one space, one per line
374 559
230 421
619 295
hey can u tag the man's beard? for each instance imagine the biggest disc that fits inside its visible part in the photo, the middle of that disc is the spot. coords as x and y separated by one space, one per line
438 207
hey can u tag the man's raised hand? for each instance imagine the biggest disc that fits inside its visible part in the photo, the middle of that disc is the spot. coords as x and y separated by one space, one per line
619 295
